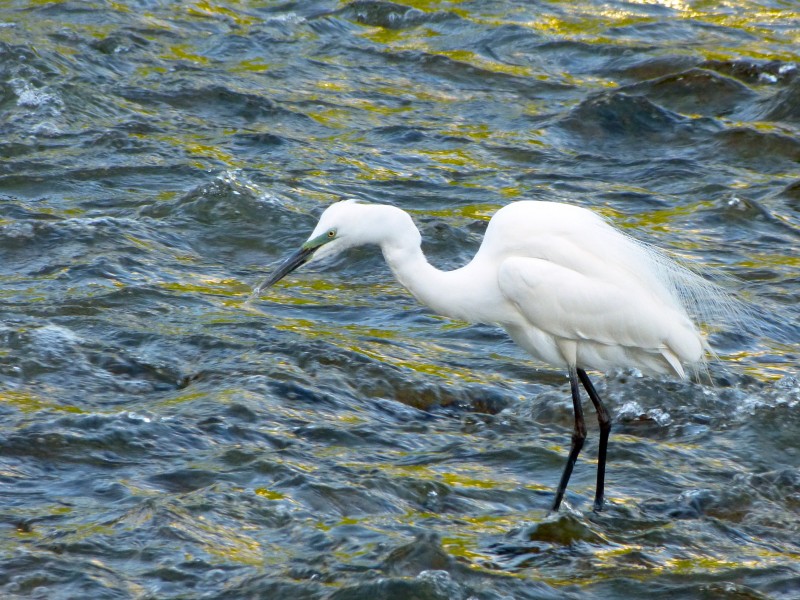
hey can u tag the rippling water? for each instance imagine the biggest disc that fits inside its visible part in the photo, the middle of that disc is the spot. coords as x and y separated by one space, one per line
161 438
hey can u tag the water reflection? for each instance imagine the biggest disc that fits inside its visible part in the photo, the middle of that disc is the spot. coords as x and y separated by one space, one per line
161 437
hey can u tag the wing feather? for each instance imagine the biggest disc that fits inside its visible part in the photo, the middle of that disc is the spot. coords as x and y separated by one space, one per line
571 305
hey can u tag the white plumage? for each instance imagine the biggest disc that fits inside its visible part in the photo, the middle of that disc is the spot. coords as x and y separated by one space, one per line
569 288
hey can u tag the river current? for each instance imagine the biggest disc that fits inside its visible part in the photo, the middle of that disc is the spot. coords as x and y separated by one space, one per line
163 438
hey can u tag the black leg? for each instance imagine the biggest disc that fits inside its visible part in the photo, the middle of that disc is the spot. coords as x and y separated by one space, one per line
604 419
578 437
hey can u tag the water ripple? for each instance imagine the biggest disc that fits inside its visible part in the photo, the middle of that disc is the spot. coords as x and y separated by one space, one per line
162 437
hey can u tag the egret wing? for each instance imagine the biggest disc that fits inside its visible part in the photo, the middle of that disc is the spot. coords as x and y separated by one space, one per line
575 306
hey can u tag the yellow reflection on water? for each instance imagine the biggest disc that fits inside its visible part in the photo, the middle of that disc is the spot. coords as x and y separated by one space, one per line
269 494
30 403
676 4
206 9
252 65
183 52
224 542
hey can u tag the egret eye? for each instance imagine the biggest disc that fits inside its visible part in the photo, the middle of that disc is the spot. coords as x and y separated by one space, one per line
331 234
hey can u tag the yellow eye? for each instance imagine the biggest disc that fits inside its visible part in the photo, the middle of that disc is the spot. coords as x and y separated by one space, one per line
331 233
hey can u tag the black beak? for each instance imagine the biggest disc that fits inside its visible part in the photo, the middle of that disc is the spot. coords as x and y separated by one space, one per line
299 258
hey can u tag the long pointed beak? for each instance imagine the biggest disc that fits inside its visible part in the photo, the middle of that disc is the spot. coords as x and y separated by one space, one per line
299 258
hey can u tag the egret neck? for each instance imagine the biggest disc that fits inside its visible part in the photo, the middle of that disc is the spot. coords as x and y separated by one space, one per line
466 293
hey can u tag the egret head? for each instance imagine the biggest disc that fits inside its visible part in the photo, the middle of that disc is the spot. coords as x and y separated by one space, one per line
334 233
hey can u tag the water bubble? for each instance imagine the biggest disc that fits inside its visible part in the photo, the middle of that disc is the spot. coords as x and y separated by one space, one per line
441 582
137 417
633 411
30 96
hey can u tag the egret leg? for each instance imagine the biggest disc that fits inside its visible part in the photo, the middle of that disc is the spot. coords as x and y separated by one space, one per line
578 437
604 420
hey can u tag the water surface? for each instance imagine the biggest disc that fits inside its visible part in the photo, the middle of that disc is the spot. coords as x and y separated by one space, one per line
162 438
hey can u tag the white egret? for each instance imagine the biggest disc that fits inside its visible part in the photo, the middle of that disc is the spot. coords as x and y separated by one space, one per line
569 288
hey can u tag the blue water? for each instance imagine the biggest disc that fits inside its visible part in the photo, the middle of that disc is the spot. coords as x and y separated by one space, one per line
160 437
